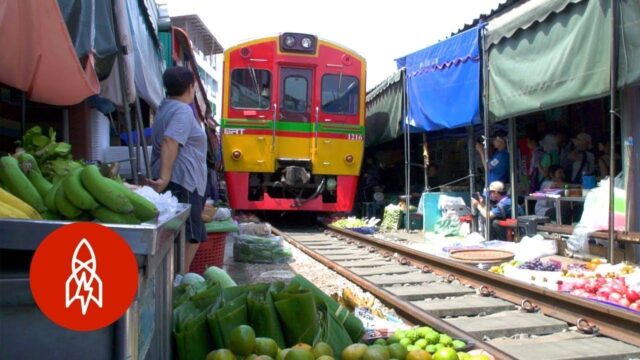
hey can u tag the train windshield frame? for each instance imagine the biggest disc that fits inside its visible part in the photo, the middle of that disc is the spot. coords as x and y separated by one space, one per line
340 94
250 88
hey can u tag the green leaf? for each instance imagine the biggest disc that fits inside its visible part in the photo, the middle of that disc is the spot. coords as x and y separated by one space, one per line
40 140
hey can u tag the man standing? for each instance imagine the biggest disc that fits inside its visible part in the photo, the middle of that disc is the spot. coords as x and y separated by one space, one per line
497 169
501 210
178 158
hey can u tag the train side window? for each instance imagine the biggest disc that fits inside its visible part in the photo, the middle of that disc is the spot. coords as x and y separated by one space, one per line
250 88
340 94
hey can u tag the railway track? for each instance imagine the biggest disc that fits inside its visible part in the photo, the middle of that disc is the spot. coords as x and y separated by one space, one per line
510 319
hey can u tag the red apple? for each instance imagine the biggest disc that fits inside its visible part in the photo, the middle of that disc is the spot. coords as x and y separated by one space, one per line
624 302
615 297
632 295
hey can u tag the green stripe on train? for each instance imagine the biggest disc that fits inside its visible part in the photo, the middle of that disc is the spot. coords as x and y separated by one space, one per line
292 126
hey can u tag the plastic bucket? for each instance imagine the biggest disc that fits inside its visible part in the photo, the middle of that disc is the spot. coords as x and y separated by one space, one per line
588 181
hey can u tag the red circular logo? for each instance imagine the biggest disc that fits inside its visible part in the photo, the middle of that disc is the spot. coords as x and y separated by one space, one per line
83 276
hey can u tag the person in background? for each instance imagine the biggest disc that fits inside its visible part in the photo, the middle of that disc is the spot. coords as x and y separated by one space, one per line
533 172
583 160
500 211
497 168
178 158
371 178
551 156
432 176
555 180
565 147
605 158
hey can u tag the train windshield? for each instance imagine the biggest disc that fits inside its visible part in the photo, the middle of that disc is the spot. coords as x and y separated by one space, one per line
340 94
250 88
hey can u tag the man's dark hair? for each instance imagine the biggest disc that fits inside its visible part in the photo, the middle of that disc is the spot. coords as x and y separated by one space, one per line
177 80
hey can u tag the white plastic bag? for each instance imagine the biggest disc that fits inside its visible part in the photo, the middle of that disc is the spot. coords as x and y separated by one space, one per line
166 203
595 215
533 247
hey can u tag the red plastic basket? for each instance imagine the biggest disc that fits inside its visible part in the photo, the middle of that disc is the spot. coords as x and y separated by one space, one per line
210 253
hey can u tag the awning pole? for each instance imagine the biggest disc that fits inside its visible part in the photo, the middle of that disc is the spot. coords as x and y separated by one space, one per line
472 172
65 125
407 160
133 159
512 166
426 161
485 118
142 139
613 86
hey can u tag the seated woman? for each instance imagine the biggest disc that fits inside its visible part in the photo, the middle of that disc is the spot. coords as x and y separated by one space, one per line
555 180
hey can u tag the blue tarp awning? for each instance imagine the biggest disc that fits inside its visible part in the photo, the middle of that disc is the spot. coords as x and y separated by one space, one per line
443 83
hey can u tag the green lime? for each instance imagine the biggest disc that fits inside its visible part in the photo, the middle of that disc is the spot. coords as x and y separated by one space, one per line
397 351
242 340
266 346
322 348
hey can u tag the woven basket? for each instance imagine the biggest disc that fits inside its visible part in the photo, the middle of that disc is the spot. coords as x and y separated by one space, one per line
210 253
481 256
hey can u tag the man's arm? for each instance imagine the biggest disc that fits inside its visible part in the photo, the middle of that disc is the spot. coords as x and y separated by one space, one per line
168 155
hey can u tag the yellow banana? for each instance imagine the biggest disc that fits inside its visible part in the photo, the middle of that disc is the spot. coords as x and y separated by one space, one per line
15 202
8 211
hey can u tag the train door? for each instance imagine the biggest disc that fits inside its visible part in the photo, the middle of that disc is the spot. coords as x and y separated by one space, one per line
295 114
338 134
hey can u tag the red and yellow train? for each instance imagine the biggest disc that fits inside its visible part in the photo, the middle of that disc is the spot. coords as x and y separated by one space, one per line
292 124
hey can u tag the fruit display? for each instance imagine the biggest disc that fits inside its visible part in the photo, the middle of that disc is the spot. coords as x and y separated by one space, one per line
499 269
539 265
608 290
41 180
214 319
425 342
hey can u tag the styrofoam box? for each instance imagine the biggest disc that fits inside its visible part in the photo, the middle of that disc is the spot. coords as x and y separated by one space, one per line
120 153
545 279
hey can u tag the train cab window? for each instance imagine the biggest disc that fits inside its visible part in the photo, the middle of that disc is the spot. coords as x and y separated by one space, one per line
250 88
294 99
340 94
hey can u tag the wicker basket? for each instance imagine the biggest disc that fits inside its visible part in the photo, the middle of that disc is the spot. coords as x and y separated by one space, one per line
210 253
481 256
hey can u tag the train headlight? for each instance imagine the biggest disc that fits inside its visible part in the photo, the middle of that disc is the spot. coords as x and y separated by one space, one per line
348 159
236 154
306 43
289 40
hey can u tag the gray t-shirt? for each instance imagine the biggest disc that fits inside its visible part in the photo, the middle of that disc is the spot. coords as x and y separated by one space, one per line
175 119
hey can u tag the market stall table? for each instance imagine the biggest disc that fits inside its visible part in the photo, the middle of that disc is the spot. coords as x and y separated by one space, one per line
557 203
143 332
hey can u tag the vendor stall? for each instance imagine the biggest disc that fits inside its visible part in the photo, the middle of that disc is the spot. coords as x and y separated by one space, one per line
143 332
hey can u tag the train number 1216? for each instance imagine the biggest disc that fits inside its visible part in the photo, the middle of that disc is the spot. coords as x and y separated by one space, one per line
354 137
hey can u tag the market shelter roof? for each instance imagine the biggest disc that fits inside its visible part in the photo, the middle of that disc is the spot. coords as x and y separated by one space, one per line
548 53
385 110
39 57
443 83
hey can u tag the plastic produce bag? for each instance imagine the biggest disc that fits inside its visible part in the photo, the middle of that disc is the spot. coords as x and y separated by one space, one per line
190 332
595 215
449 226
391 217
533 247
260 249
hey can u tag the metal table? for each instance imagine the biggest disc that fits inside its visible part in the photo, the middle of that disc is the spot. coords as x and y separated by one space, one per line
143 332
557 203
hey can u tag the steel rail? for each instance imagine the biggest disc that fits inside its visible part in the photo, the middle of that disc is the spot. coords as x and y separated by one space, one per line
610 321
404 308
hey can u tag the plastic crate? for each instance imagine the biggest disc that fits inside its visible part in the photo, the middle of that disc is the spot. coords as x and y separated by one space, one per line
210 253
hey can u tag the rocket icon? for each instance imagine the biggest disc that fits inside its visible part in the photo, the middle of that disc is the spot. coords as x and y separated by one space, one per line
84 284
